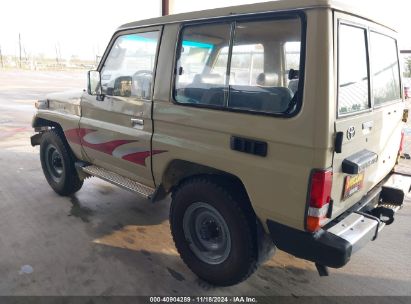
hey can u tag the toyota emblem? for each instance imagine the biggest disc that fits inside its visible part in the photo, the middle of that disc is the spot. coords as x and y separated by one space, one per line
350 133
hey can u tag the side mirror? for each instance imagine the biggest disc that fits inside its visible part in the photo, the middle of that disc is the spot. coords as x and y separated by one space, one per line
94 84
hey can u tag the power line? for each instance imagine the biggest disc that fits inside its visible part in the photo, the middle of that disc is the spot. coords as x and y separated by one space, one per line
20 49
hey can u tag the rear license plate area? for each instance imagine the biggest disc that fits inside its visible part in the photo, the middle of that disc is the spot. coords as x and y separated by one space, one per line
353 184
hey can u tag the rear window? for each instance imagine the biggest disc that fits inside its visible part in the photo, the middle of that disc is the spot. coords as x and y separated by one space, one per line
355 68
243 65
385 69
353 89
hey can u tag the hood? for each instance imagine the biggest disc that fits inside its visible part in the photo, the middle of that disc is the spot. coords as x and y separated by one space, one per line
72 96
65 102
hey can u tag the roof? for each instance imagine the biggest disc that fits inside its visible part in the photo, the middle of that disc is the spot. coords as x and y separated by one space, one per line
272 6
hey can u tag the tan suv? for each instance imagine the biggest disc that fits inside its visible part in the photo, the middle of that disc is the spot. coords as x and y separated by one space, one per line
277 121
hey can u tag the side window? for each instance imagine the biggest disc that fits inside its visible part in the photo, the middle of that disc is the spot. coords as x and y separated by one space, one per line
385 69
196 80
248 73
292 55
247 62
353 87
129 67
292 63
258 77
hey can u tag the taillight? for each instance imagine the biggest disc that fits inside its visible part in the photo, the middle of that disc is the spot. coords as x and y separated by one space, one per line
319 199
402 142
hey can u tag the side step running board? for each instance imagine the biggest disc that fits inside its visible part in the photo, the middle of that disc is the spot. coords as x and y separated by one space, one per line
118 180
395 189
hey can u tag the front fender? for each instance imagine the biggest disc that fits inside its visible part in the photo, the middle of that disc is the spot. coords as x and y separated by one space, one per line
38 122
46 119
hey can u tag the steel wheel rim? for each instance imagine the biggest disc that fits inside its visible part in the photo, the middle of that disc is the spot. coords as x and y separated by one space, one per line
54 163
207 233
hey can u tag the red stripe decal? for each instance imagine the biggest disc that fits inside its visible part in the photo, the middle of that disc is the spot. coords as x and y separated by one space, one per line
107 147
77 136
140 157
137 158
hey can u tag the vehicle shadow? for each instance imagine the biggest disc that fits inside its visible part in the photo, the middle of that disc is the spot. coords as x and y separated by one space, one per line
110 208
165 273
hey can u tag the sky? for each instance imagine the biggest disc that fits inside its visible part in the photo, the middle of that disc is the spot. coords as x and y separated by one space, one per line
76 27
83 28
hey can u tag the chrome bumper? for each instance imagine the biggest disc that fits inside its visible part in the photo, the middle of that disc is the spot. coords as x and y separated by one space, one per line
333 245
358 228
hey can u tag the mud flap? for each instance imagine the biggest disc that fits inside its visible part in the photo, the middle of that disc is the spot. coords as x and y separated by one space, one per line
35 139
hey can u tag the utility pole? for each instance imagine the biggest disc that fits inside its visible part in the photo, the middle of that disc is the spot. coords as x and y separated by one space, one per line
57 55
1 58
165 7
20 49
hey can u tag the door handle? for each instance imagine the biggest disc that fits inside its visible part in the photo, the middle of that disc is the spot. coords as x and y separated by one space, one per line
137 122
368 125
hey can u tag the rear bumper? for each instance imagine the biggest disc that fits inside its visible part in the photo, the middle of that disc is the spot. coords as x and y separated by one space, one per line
333 245
322 247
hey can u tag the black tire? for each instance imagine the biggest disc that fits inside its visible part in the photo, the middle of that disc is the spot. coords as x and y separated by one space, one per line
241 261
57 162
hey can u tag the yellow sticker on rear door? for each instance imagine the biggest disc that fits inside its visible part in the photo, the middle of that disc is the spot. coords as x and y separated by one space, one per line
353 183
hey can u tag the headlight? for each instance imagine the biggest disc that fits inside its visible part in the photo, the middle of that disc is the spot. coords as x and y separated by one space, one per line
42 104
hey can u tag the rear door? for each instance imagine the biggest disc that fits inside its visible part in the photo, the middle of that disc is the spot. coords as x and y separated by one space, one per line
116 132
369 108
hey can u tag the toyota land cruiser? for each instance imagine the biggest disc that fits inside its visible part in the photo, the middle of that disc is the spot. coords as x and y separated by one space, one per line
276 121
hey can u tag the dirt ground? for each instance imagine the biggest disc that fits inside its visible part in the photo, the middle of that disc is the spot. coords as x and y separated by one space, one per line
106 241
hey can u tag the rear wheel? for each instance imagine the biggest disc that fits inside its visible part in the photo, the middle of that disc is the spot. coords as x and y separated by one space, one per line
212 232
58 164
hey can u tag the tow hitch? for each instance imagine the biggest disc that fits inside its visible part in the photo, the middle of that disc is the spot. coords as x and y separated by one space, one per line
384 214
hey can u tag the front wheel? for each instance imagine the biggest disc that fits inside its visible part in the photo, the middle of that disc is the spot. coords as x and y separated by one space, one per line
212 232
58 164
